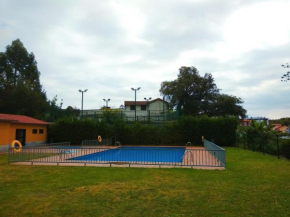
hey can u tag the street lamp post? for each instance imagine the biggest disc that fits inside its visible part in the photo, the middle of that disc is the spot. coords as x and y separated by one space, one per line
148 111
122 107
147 100
83 91
106 102
134 89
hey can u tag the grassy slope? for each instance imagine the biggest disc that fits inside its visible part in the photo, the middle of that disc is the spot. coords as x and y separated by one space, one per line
252 185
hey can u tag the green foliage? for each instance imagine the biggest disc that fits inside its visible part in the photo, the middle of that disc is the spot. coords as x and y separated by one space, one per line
75 131
258 137
197 95
285 148
110 115
283 121
286 76
20 88
227 105
221 130
55 111
190 91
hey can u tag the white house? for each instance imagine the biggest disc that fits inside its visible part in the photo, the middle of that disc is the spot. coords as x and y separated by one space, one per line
154 109
157 105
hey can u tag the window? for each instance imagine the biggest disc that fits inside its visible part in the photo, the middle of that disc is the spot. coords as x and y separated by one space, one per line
132 107
143 107
34 131
40 131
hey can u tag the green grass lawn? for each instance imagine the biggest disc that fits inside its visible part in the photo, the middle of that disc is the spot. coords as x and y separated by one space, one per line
252 185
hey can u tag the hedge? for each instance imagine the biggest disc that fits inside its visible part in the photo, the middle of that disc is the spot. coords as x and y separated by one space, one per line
188 129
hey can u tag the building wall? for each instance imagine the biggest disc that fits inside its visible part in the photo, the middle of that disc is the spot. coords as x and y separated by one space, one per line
158 106
4 133
153 106
8 133
284 129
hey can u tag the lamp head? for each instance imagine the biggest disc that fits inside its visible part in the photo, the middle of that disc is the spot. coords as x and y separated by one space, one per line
132 88
108 99
86 90
139 88
80 91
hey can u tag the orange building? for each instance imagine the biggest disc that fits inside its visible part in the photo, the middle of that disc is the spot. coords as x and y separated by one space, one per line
27 130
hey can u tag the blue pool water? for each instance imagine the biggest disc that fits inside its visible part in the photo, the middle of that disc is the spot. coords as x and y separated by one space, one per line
136 154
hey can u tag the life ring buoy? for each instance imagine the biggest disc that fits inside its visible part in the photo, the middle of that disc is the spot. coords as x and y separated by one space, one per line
99 138
19 146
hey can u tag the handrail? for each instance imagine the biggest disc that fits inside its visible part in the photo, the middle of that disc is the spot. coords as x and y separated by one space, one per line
118 143
216 151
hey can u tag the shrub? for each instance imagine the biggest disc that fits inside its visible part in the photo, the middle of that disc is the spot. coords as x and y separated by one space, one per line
221 130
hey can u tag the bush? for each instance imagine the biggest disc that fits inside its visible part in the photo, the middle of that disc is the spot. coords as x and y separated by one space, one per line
221 130
285 149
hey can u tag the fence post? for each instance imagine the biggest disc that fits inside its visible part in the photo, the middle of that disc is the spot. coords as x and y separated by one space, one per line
263 140
8 154
244 136
149 116
278 151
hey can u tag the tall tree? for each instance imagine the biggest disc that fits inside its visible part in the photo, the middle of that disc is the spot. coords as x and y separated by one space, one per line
227 105
286 76
198 95
190 91
20 88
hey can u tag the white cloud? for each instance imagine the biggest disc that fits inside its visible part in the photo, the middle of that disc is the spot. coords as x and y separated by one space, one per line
257 26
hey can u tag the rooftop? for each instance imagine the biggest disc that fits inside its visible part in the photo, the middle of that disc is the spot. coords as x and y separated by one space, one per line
142 102
21 119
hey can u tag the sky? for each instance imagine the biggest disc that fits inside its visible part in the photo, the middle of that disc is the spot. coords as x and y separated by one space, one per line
110 46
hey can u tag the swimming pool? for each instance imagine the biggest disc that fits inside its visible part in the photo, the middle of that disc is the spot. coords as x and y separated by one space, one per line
136 154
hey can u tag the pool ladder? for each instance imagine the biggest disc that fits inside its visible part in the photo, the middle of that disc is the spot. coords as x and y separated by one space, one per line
187 152
118 143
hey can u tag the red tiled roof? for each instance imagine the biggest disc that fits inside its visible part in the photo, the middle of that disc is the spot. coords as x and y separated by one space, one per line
21 119
141 102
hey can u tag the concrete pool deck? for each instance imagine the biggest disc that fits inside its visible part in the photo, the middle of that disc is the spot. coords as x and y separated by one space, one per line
194 158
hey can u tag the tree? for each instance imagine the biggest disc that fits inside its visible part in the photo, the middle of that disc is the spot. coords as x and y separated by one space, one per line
190 91
227 105
258 135
197 95
70 111
286 76
20 88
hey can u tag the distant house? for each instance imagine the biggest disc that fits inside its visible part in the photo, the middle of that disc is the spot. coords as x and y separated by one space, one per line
276 127
280 128
145 110
247 121
284 129
157 105
25 129
153 110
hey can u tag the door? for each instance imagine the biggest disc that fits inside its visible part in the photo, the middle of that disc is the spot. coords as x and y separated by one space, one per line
21 136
